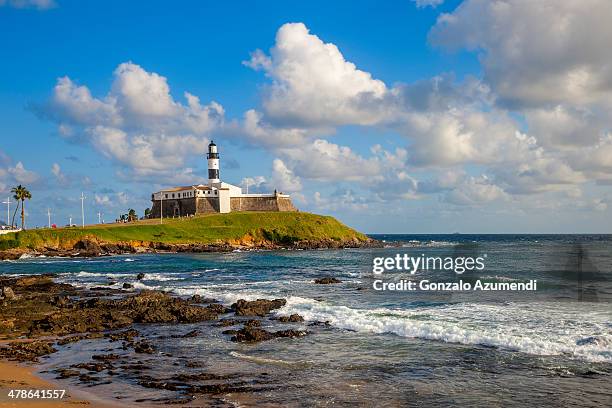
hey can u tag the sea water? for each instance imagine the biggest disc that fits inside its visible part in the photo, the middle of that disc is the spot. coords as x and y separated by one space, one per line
548 347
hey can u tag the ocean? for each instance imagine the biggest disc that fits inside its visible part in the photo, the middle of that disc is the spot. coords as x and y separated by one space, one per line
549 347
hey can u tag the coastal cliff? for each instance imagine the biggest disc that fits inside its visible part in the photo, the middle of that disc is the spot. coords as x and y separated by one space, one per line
215 232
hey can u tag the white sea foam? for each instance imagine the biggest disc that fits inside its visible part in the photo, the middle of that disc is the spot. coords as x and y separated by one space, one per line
502 278
270 361
528 328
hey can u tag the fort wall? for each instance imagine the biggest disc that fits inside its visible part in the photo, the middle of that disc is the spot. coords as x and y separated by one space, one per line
268 203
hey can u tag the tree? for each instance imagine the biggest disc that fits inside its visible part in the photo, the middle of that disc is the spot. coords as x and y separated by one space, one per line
132 216
20 194
147 213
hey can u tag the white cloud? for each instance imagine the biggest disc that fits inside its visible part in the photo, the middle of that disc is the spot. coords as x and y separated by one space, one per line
326 161
536 52
283 179
137 124
314 85
474 191
21 175
60 177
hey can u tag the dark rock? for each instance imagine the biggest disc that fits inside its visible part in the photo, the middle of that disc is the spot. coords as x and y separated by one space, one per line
60 301
127 286
93 367
66 373
327 280
290 333
294 318
144 347
318 323
87 247
8 294
78 337
193 333
259 307
227 322
252 323
252 335
105 357
218 308
230 332
140 276
126 335
27 351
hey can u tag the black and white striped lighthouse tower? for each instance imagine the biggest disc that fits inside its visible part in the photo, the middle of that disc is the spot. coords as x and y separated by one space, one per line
213 163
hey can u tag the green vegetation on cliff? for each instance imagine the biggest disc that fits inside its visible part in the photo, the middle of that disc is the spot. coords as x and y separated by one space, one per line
276 227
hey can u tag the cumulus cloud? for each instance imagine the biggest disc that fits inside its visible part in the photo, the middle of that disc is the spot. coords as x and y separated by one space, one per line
312 84
137 124
22 175
326 161
473 191
60 177
536 53
283 178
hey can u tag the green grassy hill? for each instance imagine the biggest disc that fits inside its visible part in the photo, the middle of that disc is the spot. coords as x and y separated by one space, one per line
281 228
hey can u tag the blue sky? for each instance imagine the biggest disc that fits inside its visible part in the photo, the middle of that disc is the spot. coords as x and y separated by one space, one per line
406 116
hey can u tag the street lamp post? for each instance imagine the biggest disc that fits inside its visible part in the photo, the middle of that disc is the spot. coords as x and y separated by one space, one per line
82 210
8 209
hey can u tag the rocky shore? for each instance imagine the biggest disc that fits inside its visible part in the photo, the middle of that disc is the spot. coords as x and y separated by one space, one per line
39 316
94 247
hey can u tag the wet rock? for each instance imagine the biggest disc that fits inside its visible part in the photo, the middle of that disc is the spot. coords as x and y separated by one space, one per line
294 318
259 307
127 286
218 308
60 301
126 335
135 367
159 307
231 332
200 299
144 347
327 280
318 323
193 333
79 337
8 294
290 333
86 378
140 276
105 357
93 367
66 373
252 323
227 322
27 351
254 335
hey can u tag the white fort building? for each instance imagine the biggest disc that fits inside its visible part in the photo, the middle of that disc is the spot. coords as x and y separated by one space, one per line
214 197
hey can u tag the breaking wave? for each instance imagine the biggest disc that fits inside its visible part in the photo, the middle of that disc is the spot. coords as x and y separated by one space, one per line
525 328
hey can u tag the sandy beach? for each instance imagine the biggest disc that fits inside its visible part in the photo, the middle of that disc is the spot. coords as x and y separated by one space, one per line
17 376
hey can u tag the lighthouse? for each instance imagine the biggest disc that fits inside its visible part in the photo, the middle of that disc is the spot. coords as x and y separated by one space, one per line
213 163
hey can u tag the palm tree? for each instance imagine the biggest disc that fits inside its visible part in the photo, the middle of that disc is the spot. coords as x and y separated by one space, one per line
147 213
132 215
20 194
